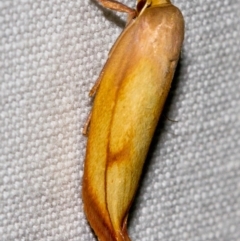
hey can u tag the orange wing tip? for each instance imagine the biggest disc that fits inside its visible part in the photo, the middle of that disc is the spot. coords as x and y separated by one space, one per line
100 223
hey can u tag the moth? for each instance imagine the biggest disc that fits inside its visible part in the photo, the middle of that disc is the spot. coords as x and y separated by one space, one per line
129 98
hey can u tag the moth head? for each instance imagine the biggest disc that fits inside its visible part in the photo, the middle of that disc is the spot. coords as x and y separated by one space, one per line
143 4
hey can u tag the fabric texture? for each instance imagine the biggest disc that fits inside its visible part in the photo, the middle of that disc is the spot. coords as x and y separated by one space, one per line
51 53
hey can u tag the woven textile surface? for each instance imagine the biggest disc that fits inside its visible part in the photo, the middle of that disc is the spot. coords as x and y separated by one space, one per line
51 53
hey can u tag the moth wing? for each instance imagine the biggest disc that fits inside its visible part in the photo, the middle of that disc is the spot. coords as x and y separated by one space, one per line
134 85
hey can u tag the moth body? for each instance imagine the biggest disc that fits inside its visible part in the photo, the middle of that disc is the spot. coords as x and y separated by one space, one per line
134 84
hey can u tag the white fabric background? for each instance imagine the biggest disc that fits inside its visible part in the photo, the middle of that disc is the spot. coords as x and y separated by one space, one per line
51 53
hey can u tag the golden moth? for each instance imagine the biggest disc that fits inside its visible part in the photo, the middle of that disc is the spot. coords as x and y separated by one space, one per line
129 98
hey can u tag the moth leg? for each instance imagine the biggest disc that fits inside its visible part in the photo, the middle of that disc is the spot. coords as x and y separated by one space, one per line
94 89
86 125
170 119
117 6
